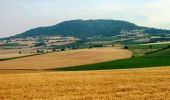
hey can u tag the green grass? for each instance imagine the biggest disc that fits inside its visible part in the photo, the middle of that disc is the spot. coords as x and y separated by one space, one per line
164 53
138 62
154 46
140 50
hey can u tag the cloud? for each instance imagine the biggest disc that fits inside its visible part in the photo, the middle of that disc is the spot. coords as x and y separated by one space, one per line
20 15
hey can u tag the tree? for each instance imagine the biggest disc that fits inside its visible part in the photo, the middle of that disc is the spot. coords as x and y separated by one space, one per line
150 46
63 49
90 47
38 51
126 47
168 46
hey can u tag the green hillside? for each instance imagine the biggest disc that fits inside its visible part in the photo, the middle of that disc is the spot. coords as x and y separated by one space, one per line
88 28
82 28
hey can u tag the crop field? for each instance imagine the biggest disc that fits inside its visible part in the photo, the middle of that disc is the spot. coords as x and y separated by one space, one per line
145 84
66 58
157 43
140 50
156 59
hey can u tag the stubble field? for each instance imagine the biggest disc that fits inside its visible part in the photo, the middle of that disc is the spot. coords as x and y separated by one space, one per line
66 58
10 53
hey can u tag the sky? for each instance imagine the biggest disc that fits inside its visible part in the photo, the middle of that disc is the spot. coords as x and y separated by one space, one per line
17 16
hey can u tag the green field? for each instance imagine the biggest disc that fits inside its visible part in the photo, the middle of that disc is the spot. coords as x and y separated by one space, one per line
161 58
140 50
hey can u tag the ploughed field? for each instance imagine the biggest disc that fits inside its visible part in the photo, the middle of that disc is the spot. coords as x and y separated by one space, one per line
146 84
66 58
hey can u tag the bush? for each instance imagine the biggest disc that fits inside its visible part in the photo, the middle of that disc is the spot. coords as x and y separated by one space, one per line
39 44
126 47
100 45
40 51
168 46
150 46
90 47
63 49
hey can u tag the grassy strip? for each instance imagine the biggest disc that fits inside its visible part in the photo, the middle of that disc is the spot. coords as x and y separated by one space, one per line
154 46
5 59
18 57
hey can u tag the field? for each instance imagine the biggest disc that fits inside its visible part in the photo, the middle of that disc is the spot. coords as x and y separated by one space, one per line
10 53
161 58
157 43
30 78
140 50
145 84
66 58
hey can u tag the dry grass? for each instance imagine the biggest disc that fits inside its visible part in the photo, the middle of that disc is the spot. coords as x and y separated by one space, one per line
135 84
10 53
67 58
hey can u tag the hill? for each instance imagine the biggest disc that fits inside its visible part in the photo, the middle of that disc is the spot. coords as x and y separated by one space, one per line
88 28
82 28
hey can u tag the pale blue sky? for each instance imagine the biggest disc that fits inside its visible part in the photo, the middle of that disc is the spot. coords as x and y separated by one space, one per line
17 16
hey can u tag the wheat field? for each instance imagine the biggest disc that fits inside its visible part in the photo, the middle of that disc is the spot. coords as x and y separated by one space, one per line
132 84
66 58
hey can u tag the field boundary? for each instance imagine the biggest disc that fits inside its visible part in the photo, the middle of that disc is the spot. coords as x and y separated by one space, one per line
6 59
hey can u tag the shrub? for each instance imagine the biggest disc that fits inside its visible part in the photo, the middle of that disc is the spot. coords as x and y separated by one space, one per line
39 44
63 49
126 47
150 46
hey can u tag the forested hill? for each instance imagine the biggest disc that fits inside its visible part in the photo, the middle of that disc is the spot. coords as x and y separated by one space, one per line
86 28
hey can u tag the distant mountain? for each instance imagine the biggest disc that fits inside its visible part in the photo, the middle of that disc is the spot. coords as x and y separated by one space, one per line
87 28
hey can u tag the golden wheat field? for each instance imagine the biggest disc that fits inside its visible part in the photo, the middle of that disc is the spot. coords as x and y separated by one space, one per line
132 84
66 58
